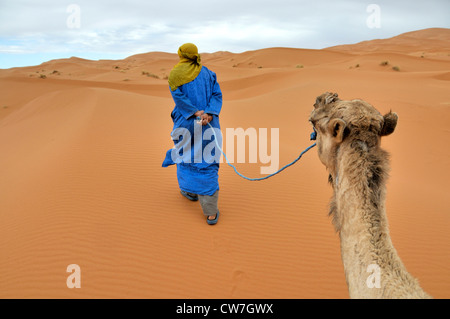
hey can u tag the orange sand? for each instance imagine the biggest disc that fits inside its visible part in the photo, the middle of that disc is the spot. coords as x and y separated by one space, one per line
81 178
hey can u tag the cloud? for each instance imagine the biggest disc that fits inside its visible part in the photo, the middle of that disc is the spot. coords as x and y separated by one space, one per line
82 27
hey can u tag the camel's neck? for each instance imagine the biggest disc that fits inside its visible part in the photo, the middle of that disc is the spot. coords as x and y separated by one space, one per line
370 261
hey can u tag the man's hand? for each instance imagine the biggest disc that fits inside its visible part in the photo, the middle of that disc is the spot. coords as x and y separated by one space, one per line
199 113
206 118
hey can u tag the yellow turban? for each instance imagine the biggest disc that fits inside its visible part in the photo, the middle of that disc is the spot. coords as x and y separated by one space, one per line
188 68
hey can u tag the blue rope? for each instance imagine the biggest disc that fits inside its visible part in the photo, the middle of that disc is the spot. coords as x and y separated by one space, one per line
313 137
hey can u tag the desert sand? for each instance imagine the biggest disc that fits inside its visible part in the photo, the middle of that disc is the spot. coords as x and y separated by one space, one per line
81 181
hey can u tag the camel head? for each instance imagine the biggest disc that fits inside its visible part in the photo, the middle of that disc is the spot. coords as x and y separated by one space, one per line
356 123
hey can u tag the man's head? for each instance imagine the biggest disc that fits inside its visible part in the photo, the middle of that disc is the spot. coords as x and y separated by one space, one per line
189 51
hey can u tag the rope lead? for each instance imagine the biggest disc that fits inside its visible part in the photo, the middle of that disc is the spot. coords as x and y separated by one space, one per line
313 137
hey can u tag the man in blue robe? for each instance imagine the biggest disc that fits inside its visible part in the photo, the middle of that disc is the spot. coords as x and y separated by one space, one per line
198 101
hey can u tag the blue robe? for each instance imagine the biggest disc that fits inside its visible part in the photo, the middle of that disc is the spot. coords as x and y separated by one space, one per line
196 173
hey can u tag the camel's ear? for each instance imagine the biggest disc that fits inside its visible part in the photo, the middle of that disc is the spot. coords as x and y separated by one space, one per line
325 98
390 122
331 97
336 128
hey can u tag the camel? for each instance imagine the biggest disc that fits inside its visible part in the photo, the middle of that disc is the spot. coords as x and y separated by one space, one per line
348 142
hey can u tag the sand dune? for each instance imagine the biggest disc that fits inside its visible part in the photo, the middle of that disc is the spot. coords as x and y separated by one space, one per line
82 144
428 42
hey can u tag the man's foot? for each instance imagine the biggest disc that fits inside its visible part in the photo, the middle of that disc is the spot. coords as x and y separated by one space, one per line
190 196
212 220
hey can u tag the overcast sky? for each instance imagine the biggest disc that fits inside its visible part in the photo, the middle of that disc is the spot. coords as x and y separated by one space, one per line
35 31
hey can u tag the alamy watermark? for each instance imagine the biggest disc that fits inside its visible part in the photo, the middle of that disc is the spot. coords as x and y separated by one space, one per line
74 279
374 279
373 21
203 146
74 19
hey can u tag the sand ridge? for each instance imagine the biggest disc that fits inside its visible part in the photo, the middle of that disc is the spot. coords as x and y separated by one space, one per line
82 144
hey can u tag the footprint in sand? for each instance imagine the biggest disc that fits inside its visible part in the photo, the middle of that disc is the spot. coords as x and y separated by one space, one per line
237 278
